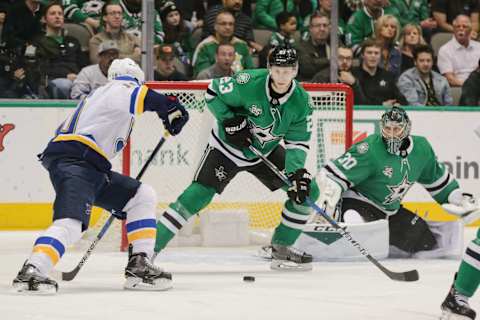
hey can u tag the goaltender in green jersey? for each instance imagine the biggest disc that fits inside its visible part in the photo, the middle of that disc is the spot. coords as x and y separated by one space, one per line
374 175
260 108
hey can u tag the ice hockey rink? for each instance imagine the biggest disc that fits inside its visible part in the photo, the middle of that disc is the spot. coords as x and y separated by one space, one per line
208 285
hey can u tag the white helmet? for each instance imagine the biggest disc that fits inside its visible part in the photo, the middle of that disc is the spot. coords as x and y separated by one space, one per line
125 67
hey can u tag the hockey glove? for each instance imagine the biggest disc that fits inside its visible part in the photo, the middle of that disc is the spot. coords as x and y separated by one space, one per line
330 192
300 188
237 132
463 205
175 116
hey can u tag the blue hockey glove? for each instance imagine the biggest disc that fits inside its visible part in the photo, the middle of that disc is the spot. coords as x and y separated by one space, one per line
300 188
175 116
237 132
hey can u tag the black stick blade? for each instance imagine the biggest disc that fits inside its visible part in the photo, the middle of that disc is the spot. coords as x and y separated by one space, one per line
68 276
407 276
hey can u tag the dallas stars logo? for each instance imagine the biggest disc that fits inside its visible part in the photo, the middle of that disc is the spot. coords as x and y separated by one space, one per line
264 135
398 192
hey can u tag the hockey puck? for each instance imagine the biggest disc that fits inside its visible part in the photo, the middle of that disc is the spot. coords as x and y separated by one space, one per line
249 278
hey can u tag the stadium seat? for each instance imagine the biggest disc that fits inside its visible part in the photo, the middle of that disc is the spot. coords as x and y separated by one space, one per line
456 94
79 32
262 36
439 39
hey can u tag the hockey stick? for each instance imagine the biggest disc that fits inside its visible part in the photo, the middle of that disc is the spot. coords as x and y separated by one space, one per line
70 275
411 275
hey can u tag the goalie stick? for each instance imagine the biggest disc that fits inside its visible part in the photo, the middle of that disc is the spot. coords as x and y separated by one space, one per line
70 275
411 275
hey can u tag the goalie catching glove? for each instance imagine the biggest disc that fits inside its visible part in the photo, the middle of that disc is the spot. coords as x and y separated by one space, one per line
174 116
300 188
237 132
463 205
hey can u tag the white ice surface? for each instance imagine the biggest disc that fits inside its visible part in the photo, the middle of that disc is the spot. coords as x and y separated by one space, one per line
208 285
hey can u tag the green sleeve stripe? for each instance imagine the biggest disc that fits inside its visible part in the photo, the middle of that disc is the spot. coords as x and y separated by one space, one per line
440 187
440 181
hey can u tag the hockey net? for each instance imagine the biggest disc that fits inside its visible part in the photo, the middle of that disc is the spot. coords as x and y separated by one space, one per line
173 168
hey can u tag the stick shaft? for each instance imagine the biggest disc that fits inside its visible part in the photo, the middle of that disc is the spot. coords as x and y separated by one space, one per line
399 276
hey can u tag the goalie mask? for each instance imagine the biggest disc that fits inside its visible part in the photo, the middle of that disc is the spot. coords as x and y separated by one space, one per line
395 126
125 67
283 64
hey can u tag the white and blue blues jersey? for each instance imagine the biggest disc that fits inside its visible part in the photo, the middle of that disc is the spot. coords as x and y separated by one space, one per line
99 127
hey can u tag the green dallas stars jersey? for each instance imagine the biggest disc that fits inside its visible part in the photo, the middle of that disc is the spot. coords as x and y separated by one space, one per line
368 172
247 94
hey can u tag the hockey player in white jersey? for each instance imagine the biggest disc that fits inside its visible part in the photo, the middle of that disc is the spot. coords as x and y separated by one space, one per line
78 162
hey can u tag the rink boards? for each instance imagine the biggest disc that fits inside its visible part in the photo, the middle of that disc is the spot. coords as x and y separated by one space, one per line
26 193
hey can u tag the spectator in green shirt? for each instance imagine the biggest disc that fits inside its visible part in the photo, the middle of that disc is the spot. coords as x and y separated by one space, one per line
204 55
267 10
362 23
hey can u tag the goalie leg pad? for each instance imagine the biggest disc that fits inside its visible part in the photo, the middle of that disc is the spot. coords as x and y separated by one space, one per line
409 232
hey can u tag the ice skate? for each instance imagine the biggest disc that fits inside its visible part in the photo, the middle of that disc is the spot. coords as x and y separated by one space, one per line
265 252
30 280
287 258
455 307
140 274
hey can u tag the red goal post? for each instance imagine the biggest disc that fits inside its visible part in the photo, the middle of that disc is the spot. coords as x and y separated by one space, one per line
173 168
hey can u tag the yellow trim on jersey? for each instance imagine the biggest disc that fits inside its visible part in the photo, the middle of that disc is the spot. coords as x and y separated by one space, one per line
49 251
82 139
139 104
142 234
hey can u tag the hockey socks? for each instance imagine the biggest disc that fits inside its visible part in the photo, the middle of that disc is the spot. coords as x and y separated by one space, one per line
294 218
468 277
190 202
141 222
50 247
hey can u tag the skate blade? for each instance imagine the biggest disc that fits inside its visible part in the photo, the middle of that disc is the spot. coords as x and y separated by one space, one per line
137 284
283 265
43 289
265 252
448 315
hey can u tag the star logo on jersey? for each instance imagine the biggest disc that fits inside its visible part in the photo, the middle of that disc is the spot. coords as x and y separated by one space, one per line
388 171
398 192
264 135
242 78
220 173
255 110
383 83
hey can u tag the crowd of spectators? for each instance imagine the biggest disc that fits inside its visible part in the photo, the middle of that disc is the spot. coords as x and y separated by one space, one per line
62 49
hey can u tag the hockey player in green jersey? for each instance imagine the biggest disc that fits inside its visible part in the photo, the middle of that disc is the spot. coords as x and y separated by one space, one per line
374 175
260 108
465 284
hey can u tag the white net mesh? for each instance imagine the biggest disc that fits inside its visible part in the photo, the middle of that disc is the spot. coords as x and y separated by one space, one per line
173 168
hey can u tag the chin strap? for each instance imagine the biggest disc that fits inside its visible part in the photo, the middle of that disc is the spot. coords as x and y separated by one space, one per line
403 150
